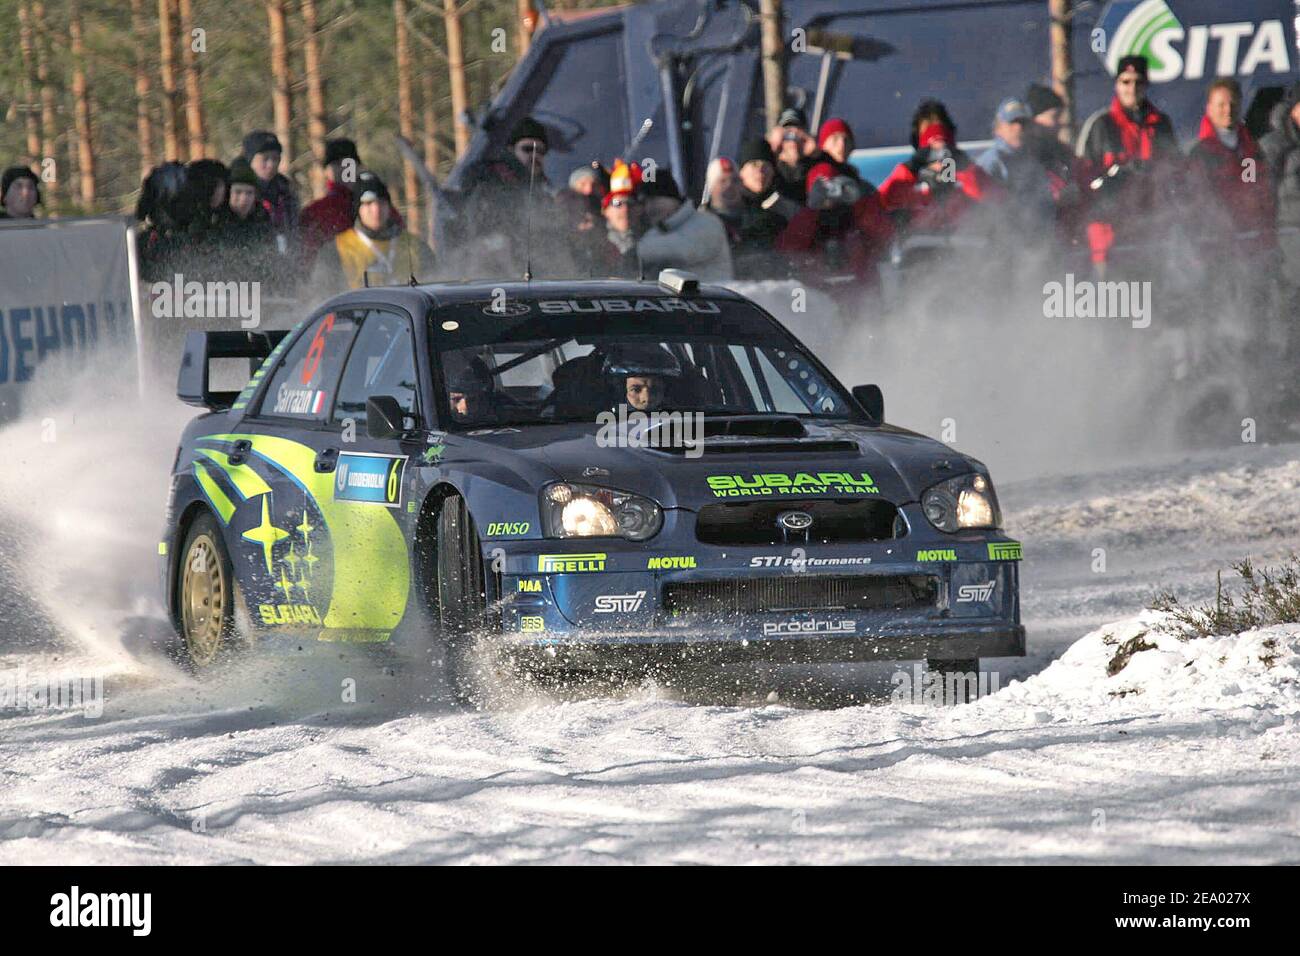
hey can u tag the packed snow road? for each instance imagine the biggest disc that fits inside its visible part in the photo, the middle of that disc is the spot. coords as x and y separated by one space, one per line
1190 753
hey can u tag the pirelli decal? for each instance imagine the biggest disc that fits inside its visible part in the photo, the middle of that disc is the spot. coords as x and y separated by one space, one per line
1004 551
570 563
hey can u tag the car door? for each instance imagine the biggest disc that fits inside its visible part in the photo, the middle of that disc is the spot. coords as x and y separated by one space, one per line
373 504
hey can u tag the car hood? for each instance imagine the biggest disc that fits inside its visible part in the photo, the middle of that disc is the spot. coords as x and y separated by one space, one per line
899 464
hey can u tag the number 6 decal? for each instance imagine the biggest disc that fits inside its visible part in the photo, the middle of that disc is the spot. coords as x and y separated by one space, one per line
312 363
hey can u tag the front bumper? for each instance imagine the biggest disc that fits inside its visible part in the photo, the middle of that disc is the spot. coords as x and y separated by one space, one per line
904 599
637 652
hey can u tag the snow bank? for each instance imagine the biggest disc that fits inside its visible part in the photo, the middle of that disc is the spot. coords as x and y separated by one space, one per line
1140 666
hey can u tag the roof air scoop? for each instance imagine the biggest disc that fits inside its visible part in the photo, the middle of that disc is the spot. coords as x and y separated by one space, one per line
679 281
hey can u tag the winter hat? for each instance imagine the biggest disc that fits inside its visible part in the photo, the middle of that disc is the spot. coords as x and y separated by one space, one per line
623 181
793 116
829 128
529 128
933 132
1011 109
579 174
337 150
663 184
1041 98
14 173
206 173
260 141
1136 62
369 187
241 173
756 149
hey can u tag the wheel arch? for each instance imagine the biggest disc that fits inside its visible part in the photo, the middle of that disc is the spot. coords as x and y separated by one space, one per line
424 554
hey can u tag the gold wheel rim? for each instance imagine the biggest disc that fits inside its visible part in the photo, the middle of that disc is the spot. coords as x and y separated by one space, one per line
203 601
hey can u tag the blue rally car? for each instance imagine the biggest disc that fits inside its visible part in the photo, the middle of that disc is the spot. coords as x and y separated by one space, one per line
579 475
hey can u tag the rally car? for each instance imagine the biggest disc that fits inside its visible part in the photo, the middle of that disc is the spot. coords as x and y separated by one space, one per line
595 474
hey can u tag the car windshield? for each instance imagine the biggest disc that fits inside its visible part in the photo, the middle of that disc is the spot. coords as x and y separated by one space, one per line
572 359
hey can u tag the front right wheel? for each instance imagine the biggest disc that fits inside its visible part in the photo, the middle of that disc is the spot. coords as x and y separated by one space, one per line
462 603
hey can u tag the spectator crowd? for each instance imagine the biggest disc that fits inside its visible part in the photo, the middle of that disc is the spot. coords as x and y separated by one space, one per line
788 204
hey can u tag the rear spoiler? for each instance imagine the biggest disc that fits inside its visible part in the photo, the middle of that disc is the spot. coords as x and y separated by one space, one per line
200 347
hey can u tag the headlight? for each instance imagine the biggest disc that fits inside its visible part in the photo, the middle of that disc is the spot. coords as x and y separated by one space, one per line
588 511
961 503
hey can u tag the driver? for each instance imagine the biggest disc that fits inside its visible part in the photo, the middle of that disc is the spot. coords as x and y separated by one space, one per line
469 388
640 374
645 393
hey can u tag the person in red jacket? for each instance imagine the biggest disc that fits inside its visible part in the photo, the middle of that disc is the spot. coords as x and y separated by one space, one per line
843 230
939 184
1232 170
333 213
1128 154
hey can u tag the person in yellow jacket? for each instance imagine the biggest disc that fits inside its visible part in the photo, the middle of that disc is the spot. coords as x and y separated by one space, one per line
376 250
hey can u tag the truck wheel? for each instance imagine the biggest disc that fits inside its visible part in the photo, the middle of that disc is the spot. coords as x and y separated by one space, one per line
960 679
205 597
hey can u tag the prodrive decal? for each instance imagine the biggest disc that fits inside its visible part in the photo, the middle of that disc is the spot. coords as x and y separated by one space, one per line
800 483
809 626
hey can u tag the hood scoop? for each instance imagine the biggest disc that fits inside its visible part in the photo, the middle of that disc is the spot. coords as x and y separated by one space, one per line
767 435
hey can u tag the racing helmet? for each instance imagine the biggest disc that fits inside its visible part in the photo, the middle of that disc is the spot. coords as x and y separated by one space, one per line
637 358
642 360
468 375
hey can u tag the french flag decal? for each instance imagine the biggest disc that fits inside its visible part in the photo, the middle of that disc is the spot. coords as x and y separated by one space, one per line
318 404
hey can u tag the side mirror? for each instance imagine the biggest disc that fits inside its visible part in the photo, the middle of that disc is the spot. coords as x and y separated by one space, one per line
384 417
872 401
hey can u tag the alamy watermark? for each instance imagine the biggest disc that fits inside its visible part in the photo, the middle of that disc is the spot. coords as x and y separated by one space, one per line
1091 299
631 428
179 299
20 690
941 688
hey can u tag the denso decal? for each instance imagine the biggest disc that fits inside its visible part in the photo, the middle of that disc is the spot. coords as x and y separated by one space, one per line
570 563
616 603
800 483
810 626
575 306
675 563
369 479
507 529
937 554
